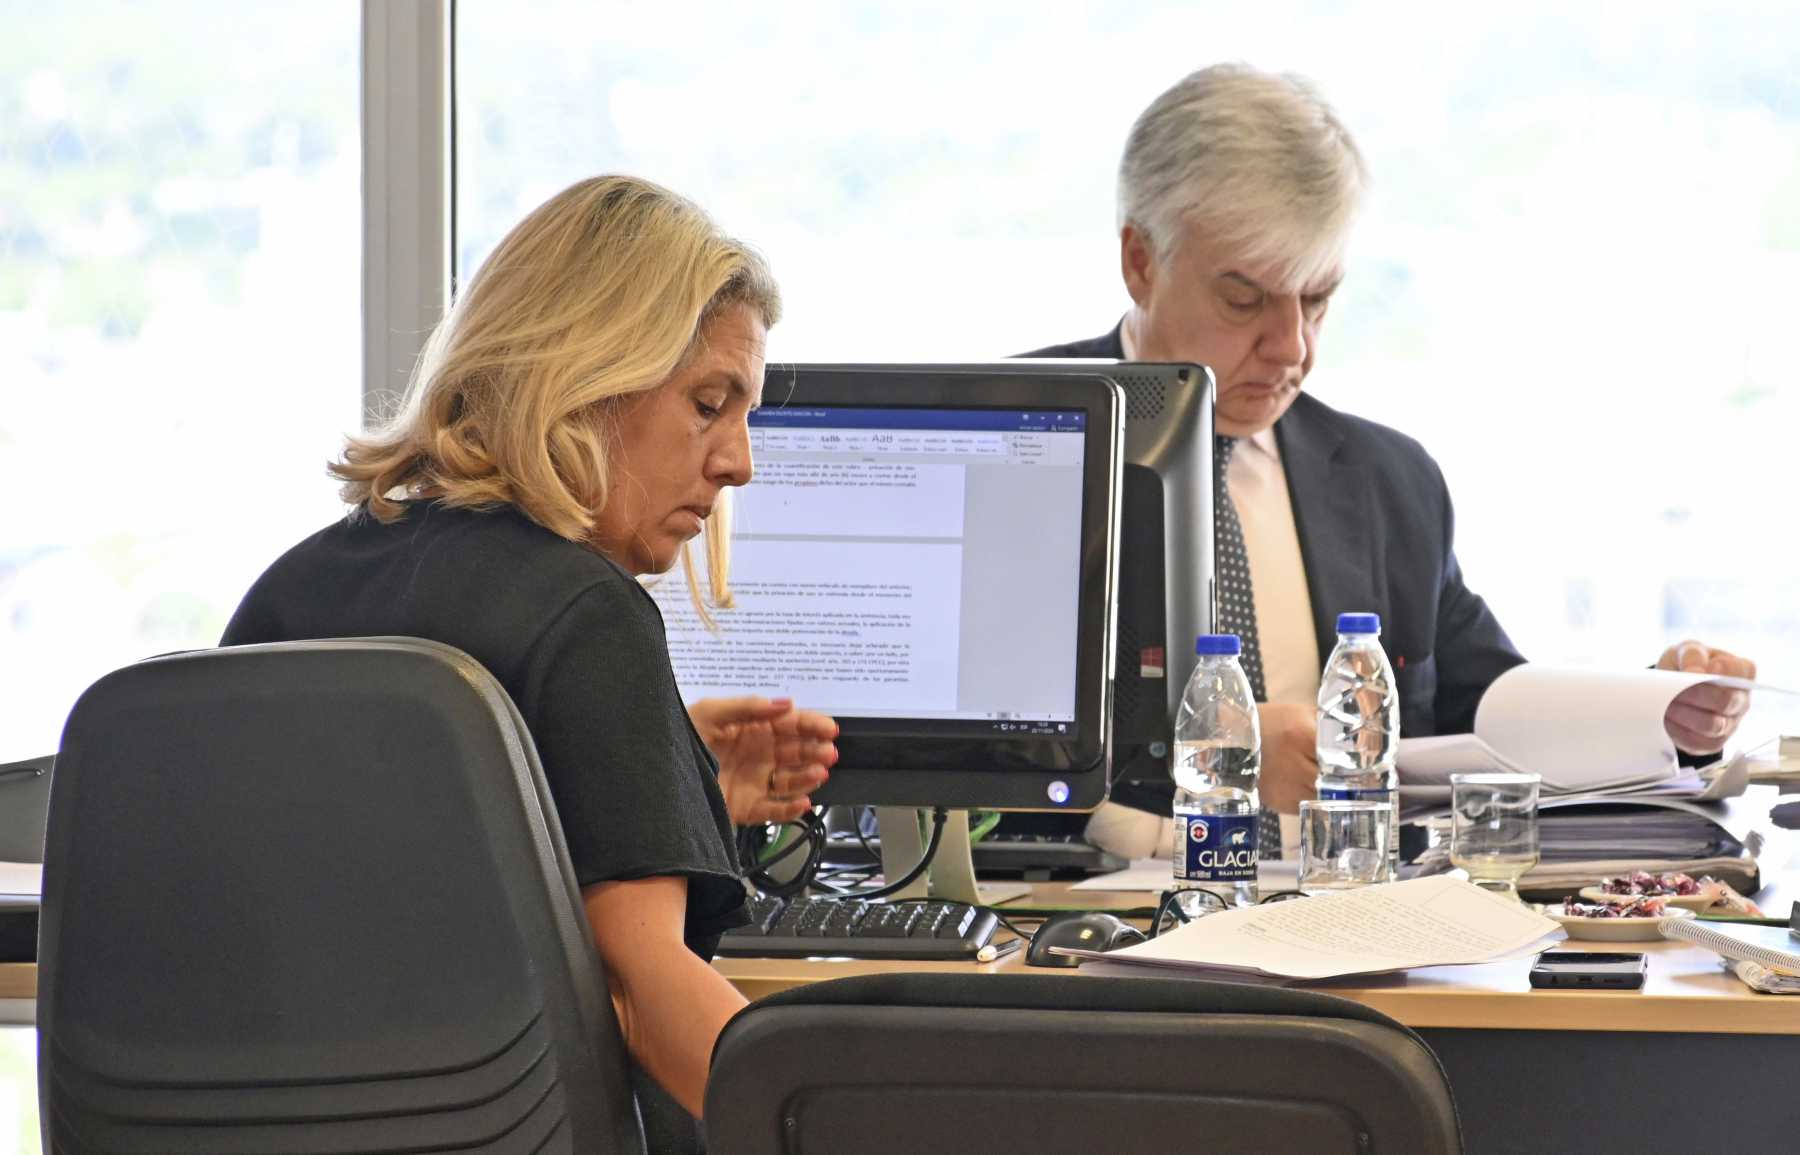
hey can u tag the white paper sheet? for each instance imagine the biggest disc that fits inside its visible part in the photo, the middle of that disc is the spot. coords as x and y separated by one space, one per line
1437 921
1579 729
1431 761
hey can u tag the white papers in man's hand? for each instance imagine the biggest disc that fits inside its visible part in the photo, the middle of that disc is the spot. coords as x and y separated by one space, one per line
1431 761
1438 921
1586 729
1582 730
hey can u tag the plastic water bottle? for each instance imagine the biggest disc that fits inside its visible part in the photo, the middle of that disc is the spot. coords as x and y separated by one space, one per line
1359 723
1218 754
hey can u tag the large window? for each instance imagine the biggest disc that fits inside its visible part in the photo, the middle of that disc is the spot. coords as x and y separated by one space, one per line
1573 282
179 333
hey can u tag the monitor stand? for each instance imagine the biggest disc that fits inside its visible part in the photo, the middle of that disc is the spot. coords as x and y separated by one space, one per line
951 876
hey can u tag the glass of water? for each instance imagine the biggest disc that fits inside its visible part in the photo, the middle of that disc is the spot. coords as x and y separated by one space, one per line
1494 830
1344 844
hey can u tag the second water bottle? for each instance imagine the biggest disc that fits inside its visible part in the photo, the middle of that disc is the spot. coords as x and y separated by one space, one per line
1359 723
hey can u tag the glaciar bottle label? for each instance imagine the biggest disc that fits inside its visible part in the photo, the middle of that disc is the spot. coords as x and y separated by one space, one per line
1217 847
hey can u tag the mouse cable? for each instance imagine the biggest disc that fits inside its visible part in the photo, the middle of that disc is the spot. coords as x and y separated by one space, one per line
1009 924
939 815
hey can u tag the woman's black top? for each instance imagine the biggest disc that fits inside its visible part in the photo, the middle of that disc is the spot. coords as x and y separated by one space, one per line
577 643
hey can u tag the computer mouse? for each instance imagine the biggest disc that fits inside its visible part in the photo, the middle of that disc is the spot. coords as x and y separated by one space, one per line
1084 929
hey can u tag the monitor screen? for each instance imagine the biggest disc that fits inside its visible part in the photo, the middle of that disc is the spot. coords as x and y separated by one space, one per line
926 557
915 565
1165 583
1165 579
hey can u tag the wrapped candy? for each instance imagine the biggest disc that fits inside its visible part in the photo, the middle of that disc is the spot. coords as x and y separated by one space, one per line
1640 907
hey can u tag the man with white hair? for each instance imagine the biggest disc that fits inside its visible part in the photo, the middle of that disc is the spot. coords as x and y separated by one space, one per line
1237 190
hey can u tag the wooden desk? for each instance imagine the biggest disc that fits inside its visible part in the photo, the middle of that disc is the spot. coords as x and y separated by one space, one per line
18 980
1694 1062
1686 989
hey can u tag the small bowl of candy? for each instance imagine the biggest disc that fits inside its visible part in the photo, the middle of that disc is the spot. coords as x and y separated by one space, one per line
1637 920
1676 890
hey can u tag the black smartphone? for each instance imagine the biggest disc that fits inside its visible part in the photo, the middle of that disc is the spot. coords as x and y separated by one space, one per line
1588 969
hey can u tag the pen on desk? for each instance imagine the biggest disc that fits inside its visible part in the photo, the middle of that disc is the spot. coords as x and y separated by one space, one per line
996 950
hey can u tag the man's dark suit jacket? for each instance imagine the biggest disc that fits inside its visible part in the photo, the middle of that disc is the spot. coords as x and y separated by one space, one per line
1375 526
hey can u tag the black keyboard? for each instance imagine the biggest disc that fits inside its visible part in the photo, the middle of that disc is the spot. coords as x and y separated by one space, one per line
852 928
1004 855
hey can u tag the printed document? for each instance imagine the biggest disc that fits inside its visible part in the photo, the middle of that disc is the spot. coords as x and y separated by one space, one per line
1437 921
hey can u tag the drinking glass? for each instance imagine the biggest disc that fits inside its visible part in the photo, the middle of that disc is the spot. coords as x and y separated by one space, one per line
1344 844
1494 832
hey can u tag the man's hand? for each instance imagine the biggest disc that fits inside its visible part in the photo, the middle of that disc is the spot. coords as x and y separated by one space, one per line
1702 718
1290 759
771 756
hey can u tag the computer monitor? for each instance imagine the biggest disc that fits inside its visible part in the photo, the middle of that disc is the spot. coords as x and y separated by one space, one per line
930 556
1166 590
1167 594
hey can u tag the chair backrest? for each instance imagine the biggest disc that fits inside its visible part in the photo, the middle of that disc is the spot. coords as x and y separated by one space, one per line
24 801
1071 1063
313 896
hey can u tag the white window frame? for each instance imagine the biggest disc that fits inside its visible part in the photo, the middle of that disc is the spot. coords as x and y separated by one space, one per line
408 155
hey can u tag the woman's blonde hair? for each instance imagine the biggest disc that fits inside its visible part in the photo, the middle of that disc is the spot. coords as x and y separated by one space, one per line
600 293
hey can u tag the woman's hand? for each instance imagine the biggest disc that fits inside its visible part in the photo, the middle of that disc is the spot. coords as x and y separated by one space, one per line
771 755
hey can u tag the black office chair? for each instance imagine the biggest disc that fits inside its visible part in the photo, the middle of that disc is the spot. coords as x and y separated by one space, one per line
945 1063
314 897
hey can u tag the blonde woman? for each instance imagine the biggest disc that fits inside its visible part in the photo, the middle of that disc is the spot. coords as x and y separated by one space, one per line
573 425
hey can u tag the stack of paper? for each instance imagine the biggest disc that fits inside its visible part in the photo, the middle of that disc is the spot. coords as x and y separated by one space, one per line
1776 761
1395 926
1614 797
1628 832
1583 841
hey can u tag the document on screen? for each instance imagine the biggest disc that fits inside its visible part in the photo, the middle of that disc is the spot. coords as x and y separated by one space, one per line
852 497
907 565
878 634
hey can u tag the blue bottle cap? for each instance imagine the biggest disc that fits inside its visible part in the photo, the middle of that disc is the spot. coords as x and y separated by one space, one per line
1359 623
1214 645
